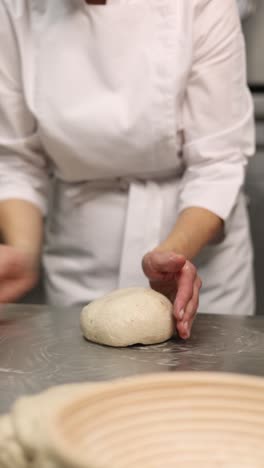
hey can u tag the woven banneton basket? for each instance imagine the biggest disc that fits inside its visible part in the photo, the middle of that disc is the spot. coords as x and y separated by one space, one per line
185 420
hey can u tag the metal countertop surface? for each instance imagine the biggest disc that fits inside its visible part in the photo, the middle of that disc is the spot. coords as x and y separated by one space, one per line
42 346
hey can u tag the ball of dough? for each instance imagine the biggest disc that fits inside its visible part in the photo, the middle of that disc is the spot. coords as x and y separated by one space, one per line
128 316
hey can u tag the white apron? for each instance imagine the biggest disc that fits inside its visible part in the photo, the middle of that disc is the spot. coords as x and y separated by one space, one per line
108 93
99 230
97 242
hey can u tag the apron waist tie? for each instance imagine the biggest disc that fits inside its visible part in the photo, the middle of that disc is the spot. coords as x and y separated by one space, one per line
142 230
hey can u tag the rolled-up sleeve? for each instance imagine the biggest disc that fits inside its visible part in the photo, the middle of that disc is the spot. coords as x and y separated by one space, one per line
23 165
218 122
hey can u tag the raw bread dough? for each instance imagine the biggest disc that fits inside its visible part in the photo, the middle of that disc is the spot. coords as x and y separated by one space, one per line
128 316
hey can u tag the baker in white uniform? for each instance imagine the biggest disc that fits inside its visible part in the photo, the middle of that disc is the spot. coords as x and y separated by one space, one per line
130 124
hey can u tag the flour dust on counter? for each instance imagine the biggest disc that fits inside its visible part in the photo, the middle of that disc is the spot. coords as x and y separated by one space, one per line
128 316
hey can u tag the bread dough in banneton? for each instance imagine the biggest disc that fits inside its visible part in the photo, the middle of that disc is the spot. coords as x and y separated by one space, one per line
128 316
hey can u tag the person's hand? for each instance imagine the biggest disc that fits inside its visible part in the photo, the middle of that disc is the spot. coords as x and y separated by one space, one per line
176 278
18 273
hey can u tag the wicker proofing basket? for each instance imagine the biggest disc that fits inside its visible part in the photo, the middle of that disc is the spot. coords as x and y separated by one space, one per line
187 420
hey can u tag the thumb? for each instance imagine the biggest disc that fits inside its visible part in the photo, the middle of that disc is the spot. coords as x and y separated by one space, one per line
158 264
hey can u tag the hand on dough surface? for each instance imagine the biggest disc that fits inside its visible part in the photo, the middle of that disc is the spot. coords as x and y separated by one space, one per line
175 277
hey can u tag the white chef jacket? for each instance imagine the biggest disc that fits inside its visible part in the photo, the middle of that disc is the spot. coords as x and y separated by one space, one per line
147 99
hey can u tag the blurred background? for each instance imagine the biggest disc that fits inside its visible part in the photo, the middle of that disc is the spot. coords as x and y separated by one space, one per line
252 15
254 34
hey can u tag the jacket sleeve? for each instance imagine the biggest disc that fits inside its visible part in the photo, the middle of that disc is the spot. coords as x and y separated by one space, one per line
218 118
23 165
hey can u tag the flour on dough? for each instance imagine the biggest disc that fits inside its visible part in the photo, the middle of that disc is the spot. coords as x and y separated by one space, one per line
128 316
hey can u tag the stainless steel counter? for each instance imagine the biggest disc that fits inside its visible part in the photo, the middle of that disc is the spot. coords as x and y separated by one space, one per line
41 347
